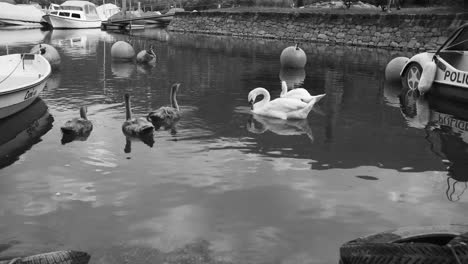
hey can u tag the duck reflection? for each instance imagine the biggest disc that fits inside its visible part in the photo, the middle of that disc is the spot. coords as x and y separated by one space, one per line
19 132
147 139
259 124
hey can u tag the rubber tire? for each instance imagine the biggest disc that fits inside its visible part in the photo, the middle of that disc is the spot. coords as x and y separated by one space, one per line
389 247
404 80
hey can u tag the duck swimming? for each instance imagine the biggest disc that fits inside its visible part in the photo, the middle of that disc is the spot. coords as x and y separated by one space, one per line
298 93
135 126
78 126
282 108
146 56
166 116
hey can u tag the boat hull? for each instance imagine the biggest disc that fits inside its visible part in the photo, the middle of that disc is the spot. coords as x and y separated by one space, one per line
15 102
63 22
23 77
448 91
15 22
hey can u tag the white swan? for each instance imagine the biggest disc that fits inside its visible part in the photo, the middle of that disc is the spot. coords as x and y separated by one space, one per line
298 93
282 108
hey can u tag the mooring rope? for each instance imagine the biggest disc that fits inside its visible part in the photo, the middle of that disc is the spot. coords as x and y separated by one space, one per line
21 59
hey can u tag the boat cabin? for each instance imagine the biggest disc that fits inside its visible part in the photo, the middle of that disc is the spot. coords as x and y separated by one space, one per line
77 10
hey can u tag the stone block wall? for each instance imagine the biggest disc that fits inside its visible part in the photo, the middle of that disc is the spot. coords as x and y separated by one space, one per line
393 31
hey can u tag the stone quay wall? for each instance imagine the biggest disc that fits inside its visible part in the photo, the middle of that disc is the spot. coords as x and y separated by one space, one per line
392 31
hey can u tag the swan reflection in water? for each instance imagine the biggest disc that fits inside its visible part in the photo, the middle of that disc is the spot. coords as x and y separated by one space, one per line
19 132
258 124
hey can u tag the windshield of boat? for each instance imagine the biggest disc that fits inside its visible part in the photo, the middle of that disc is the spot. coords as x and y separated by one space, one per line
72 8
459 41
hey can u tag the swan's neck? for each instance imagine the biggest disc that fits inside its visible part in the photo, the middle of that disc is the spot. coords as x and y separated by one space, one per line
128 112
83 112
284 88
265 100
173 97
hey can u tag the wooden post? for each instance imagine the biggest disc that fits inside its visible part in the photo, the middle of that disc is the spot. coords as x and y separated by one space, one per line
124 7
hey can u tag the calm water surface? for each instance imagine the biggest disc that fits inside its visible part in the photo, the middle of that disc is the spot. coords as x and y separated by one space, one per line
251 190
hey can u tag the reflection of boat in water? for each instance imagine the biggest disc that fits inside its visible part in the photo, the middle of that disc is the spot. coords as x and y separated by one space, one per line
260 124
22 130
448 134
446 125
78 41
414 108
14 36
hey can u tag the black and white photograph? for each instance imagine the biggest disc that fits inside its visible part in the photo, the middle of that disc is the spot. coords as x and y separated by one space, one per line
233 132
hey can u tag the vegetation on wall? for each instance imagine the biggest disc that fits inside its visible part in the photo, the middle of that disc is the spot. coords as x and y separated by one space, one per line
210 4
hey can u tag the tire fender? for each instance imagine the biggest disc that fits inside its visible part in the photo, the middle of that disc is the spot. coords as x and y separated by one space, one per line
410 244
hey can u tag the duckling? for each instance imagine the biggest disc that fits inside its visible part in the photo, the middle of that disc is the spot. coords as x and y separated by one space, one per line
146 56
135 126
166 116
78 126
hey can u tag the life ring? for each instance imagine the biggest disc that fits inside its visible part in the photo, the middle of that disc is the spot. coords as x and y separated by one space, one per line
429 244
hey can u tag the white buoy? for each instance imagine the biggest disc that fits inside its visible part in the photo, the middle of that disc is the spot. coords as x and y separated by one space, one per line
122 50
293 57
393 69
427 77
49 53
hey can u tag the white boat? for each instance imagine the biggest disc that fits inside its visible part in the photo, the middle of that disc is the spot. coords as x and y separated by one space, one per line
74 14
20 15
107 10
22 78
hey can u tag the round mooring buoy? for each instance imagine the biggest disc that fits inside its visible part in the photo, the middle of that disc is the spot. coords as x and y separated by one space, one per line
49 53
122 50
293 57
393 69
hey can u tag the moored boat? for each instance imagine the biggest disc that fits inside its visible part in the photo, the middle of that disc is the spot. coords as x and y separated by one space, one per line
74 14
20 15
22 78
445 70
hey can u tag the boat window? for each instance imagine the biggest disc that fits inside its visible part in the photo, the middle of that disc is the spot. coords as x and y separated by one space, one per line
65 14
460 42
86 8
75 15
92 10
72 8
54 12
